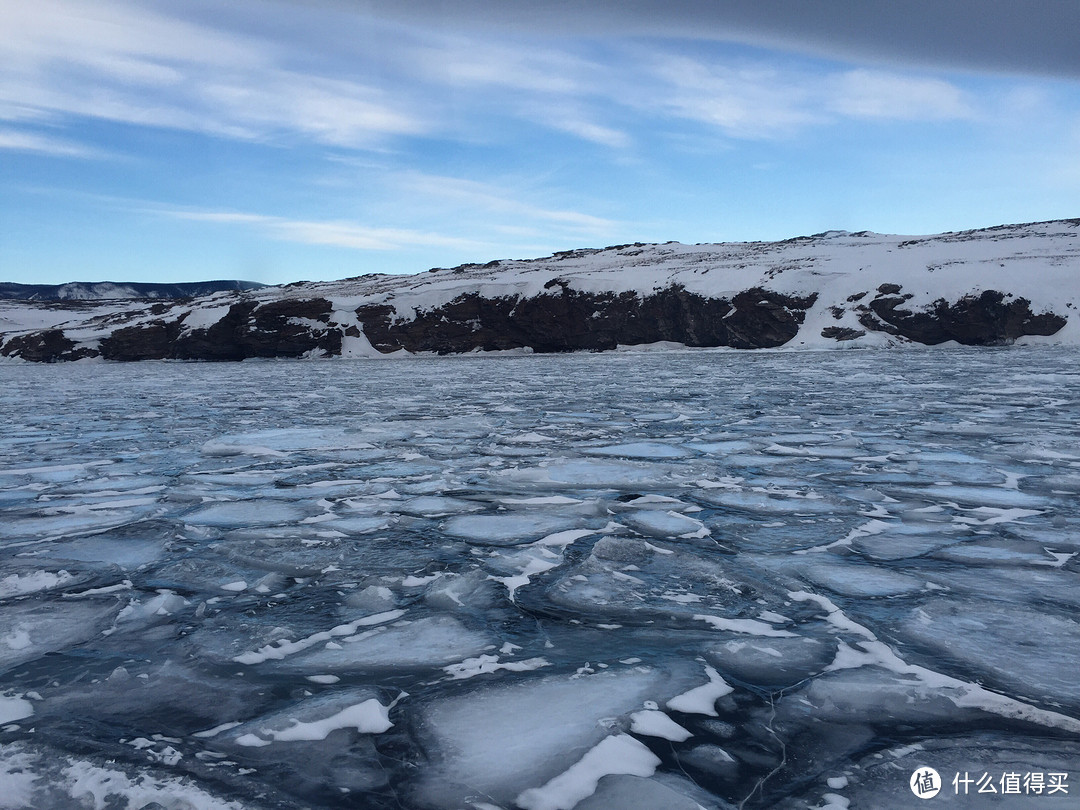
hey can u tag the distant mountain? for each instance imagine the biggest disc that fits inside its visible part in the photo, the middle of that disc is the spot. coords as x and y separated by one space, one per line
996 286
111 290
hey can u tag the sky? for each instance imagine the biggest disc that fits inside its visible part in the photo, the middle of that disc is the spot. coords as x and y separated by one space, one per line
278 140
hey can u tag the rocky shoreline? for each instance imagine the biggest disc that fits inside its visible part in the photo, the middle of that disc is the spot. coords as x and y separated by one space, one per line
810 292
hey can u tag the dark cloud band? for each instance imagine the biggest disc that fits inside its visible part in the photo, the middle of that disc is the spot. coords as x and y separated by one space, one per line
1005 36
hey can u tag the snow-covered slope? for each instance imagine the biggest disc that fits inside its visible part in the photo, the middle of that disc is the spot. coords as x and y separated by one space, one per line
838 289
110 290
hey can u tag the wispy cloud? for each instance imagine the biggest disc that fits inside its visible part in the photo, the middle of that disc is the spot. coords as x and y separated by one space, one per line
140 64
553 87
581 125
484 198
331 233
131 64
744 102
469 63
23 141
758 101
874 94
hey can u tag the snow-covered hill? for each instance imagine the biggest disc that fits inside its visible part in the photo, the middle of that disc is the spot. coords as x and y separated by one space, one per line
837 289
110 290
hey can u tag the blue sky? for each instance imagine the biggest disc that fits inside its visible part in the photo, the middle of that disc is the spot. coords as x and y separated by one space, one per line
275 141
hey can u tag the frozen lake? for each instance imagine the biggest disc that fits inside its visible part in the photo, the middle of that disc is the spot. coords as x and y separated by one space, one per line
627 581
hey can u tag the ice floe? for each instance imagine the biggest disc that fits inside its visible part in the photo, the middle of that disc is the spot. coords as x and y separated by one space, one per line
29 630
504 529
602 583
618 754
510 738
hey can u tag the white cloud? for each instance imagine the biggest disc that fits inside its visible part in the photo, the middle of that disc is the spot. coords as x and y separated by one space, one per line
486 199
117 38
22 141
758 101
135 63
127 63
873 94
358 237
585 129
329 111
333 233
523 67
552 87
744 101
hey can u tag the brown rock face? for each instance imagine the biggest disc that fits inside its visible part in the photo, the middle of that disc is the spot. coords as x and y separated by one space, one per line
988 319
566 320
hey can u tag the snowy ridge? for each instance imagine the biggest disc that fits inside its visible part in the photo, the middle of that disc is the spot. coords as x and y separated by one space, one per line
106 290
838 289
1025 259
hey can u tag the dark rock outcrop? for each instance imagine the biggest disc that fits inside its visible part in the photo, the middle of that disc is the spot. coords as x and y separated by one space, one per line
842 333
151 341
47 346
829 289
566 320
991 318
274 329
269 330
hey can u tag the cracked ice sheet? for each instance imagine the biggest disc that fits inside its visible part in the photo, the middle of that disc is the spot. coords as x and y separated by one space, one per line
667 524
654 723
37 777
366 717
643 450
1031 651
284 648
429 642
947 443
592 474
618 754
702 699
504 529
880 779
34 581
31 630
751 627
14 707
511 737
963 694
538 557
486 664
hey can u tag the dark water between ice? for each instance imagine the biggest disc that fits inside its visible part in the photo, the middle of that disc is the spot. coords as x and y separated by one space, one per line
610 581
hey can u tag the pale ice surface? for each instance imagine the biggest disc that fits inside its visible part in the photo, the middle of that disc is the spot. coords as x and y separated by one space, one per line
618 754
623 581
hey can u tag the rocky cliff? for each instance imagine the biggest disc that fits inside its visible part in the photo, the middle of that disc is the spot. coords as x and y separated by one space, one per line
985 287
